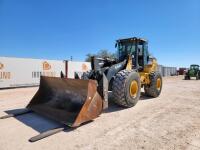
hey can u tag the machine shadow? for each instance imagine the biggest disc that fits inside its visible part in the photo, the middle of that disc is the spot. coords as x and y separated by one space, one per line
41 124
144 97
35 121
112 107
193 78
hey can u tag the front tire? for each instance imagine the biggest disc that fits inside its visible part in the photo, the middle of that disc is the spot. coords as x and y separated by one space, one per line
126 88
155 87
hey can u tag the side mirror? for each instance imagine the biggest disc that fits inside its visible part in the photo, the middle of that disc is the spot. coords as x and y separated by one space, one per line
115 45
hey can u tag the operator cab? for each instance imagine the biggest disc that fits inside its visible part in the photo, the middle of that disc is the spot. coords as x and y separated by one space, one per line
195 67
137 48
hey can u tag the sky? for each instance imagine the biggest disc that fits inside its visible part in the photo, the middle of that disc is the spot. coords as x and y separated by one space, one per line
59 29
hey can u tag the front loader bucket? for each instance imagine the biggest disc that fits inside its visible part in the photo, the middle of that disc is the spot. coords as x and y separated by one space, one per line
69 101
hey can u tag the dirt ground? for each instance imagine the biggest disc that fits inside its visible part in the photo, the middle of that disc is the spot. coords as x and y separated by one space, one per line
171 121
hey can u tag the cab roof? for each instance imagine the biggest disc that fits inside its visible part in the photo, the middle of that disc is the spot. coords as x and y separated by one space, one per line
194 65
132 39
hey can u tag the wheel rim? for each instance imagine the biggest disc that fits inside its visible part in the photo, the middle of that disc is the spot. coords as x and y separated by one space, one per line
133 88
158 84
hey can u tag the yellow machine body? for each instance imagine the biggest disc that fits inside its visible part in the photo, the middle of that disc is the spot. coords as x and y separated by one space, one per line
144 75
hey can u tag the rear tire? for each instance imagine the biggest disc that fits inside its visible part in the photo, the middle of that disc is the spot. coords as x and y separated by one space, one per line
126 88
187 76
155 87
198 75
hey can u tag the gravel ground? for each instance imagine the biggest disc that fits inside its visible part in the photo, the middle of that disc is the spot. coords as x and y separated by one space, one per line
171 121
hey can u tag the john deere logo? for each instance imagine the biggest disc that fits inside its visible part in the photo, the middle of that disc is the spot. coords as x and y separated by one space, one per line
84 67
1 66
46 66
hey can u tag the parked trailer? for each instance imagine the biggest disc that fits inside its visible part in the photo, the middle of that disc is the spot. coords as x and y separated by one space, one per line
76 69
181 71
19 72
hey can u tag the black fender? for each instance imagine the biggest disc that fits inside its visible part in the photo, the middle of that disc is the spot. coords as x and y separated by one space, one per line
113 70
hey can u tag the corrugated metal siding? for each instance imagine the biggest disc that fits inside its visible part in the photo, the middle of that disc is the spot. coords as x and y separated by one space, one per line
169 71
160 69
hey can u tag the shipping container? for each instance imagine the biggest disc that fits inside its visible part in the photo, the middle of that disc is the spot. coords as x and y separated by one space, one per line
169 71
76 69
160 69
20 72
173 71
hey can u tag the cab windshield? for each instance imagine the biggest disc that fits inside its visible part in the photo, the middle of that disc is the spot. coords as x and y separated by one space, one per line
125 49
194 67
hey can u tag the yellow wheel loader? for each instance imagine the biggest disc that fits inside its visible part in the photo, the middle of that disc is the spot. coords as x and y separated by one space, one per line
76 101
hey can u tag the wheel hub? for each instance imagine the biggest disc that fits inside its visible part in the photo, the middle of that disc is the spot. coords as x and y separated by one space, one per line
158 84
133 88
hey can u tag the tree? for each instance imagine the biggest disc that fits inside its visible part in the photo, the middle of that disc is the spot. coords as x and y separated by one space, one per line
102 54
88 57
